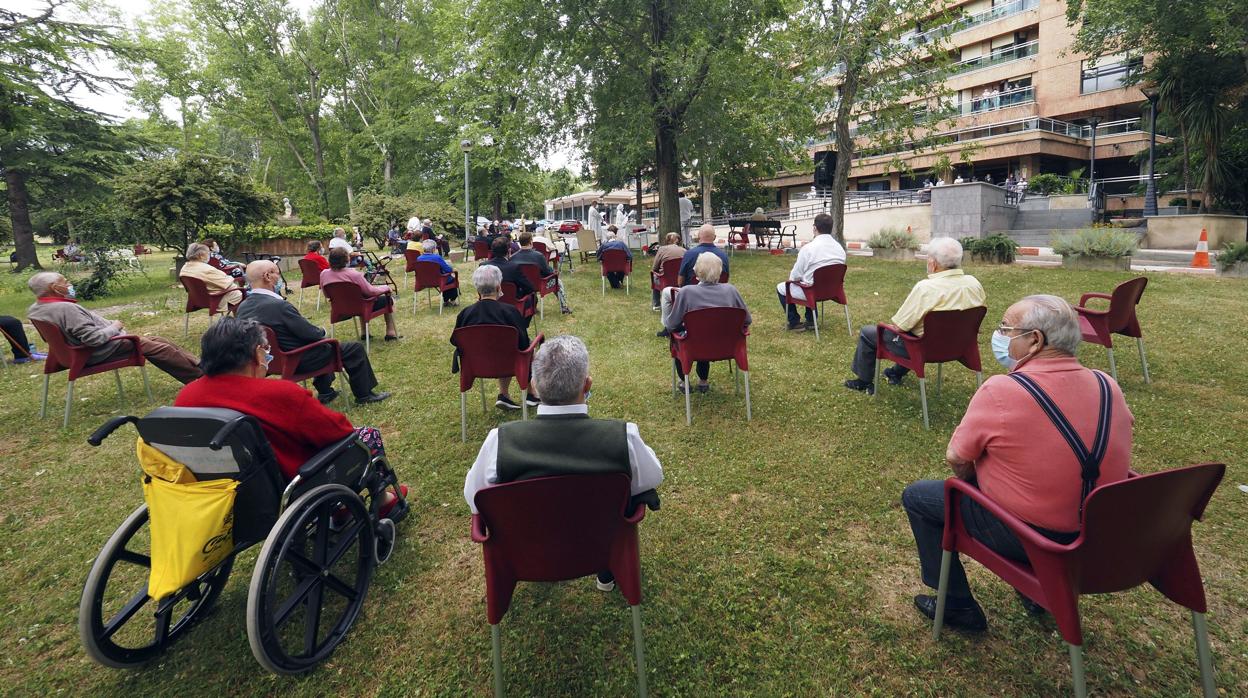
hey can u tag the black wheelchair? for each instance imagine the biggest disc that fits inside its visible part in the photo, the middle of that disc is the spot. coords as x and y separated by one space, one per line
322 536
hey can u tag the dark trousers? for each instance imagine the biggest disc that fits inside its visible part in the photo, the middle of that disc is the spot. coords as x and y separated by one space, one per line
450 294
354 360
16 336
702 368
615 278
791 308
924 502
864 353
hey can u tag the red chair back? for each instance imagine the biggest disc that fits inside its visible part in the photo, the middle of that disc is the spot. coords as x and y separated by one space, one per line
507 294
278 365
487 351
952 335
557 528
541 247
1121 317
286 364
829 284
197 295
715 334
615 260
480 250
667 275
64 356
409 256
59 254
723 277
534 276
346 300
311 272
428 275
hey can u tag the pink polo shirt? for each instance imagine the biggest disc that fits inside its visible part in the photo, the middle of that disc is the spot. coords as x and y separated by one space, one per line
1021 461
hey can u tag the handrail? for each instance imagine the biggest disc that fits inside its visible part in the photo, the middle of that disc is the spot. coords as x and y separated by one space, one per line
969 21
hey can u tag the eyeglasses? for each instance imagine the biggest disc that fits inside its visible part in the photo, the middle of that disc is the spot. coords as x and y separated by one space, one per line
1006 328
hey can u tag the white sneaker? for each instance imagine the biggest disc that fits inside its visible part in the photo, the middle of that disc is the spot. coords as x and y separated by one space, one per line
608 586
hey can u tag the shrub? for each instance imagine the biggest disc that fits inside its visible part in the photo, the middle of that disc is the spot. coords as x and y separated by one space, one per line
997 248
893 239
1232 253
1096 242
226 236
1044 184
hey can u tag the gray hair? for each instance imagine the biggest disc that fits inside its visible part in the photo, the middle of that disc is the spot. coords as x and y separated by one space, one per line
707 267
560 369
946 252
1055 318
428 245
487 278
197 250
42 282
340 233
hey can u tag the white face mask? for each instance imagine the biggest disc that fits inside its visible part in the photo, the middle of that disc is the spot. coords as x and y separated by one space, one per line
1001 349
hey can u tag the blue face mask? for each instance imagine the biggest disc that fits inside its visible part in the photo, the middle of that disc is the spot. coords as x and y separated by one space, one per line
281 287
70 292
268 359
1001 349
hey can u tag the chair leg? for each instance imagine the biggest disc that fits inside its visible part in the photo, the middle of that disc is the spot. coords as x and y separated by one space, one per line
1139 342
879 368
368 340
43 409
673 380
524 404
848 325
923 399
441 302
69 403
1113 366
688 409
300 298
1204 655
940 376
463 417
604 285
121 394
639 649
496 656
186 325
748 414
1076 671
484 409
628 288
318 298
979 379
942 593
818 315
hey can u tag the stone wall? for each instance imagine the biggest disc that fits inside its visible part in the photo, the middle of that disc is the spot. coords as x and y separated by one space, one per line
1182 232
973 209
861 225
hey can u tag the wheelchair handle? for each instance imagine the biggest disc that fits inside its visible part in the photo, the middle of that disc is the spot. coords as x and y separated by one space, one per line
109 427
218 439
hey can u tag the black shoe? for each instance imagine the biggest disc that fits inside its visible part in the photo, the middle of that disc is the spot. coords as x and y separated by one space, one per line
326 398
1032 608
861 386
893 375
663 333
532 400
971 618
371 398
810 327
567 311
704 388
393 337
795 327
506 403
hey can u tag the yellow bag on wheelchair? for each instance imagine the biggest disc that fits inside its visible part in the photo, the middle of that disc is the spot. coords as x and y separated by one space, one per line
191 523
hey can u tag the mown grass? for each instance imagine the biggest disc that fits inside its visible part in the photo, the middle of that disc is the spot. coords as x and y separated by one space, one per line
780 564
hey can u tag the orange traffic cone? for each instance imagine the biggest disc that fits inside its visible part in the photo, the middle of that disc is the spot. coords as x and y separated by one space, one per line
1201 259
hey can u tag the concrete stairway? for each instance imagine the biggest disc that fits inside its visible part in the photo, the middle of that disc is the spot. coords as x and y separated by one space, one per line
1070 219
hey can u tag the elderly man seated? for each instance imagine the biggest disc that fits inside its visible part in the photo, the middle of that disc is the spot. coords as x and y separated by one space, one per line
235 358
706 243
611 241
822 251
527 255
489 311
563 439
1010 445
708 293
217 281
946 287
293 331
500 252
429 253
672 249
339 241
55 304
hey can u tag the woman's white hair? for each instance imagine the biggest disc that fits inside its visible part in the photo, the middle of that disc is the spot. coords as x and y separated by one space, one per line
707 267
428 245
1055 318
560 369
946 252
487 278
197 250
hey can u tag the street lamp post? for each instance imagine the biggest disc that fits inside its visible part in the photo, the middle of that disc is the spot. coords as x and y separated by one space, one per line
466 145
1150 190
1094 122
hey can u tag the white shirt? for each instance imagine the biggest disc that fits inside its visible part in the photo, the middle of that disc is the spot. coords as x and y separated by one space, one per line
266 292
820 252
336 243
686 208
647 473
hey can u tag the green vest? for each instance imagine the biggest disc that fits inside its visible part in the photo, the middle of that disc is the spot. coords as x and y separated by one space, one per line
562 444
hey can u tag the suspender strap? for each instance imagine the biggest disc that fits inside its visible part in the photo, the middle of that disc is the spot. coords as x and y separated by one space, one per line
1089 459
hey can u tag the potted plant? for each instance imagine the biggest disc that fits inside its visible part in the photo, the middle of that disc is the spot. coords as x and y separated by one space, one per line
1233 260
1103 249
994 249
893 244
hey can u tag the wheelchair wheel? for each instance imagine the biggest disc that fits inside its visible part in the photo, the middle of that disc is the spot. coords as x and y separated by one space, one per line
310 580
115 628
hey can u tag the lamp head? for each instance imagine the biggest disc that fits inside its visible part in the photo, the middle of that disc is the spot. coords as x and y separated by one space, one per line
465 145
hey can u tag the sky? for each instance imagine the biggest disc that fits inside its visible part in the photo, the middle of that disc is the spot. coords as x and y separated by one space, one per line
117 104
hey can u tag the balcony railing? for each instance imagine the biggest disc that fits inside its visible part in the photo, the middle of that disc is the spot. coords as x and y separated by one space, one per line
1001 100
997 57
969 21
974 133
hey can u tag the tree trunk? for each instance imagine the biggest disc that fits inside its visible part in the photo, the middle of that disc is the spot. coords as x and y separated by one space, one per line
496 179
844 152
19 214
318 155
708 182
387 171
639 206
668 168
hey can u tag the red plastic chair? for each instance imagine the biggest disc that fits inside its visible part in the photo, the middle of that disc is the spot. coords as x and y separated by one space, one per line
410 253
346 301
141 250
948 335
286 363
545 285
480 250
63 356
712 334
198 297
553 529
552 256
527 305
828 285
612 261
1099 326
489 351
429 276
668 274
311 273
1133 531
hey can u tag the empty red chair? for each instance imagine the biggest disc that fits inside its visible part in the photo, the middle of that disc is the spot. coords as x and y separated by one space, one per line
480 250
286 363
311 273
410 253
545 285
1133 531
828 285
948 335
198 297
615 260
553 529
429 277
527 305
141 250
63 356
1099 326
489 351
668 274
347 301
712 334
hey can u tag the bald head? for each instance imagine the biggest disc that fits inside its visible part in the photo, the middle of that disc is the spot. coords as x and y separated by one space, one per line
263 274
46 283
706 233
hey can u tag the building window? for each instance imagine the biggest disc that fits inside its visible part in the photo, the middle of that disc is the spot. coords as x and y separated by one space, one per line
879 185
1109 74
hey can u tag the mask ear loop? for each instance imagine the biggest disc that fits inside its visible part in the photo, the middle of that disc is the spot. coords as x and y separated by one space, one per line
1044 340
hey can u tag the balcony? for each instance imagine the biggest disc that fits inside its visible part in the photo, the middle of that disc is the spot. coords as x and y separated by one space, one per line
1016 126
1001 100
969 21
1004 55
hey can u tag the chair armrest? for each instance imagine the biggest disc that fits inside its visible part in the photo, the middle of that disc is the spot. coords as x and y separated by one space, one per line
479 534
638 514
327 456
537 341
955 488
308 347
133 338
1090 312
906 337
1083 300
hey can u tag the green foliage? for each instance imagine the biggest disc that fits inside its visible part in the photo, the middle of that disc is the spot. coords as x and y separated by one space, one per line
737 192
1233 253
996 248
893 239
1096 242
1045 184
229 237
376 213
105 269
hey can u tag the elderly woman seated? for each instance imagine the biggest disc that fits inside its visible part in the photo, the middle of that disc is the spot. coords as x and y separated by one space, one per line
707 293
338 271
198 267
235 359
218 260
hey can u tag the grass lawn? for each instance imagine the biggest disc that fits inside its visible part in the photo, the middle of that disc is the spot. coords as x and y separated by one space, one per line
780 564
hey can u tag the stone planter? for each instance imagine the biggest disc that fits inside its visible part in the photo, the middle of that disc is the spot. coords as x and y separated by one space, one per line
893 255
1096 263
1238 270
